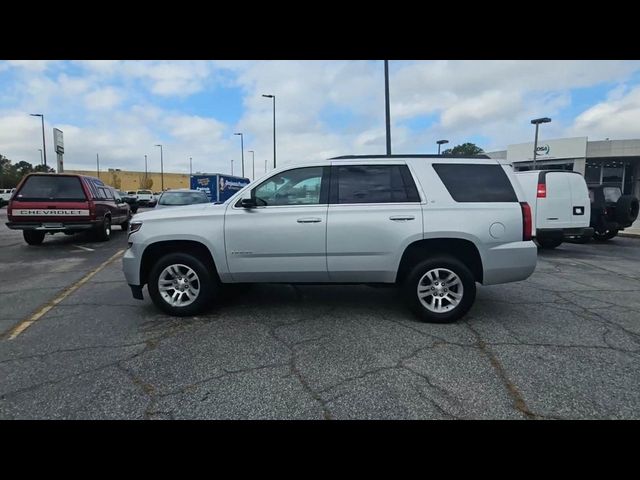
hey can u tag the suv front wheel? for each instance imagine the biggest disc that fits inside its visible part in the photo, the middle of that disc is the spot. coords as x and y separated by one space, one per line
440 290
180 284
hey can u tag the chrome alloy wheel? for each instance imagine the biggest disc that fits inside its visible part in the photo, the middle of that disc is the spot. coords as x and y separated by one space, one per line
179 285
440 290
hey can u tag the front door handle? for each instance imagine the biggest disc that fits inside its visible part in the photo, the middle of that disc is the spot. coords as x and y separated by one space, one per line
309 220
402 218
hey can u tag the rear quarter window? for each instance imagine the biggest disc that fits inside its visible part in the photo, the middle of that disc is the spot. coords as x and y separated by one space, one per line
476 182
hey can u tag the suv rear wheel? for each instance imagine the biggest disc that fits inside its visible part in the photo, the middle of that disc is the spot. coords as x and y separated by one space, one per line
180 284
104 230
440 290
33 237
549 242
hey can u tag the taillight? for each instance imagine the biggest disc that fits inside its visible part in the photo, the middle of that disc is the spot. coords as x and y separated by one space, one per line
526 221
542 190
92 210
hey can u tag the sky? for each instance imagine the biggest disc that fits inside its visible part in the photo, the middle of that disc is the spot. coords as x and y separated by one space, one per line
122 109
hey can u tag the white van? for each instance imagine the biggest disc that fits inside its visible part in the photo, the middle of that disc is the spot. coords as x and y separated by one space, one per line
560 205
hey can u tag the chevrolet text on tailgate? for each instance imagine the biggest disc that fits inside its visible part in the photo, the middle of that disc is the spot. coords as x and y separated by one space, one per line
49 203
433 225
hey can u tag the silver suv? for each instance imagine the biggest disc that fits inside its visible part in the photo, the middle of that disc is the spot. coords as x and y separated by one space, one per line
433 225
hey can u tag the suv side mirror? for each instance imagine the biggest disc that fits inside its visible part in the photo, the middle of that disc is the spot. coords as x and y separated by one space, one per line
248 203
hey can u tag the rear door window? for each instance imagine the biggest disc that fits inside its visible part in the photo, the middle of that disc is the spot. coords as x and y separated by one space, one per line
476 182
50 187
373 184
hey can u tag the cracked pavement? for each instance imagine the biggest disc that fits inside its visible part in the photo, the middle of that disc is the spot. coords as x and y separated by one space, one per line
564 344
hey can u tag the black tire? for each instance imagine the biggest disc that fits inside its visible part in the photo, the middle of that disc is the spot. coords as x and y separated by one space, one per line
124 225
33 237
103 233
604 235
134 209
410 289
627 209
549 243
207 283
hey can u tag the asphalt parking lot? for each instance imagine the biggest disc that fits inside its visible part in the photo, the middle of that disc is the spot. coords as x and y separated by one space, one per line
564 344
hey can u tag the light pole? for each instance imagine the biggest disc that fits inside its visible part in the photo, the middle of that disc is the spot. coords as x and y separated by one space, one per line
190 167
231 167
241 148
265 166
537 122
146 182
387 109
161 168
41 161
98 165
44 146
441 142
253 164
274 127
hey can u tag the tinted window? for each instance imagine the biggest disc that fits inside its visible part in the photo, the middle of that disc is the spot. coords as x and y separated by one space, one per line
300 186
183 198
50 187
375 184
476 183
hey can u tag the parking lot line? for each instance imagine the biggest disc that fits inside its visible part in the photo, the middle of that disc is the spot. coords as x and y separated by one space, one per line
23 325
84 248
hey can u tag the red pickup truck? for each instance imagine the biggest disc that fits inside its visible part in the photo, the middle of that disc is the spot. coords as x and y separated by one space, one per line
50 203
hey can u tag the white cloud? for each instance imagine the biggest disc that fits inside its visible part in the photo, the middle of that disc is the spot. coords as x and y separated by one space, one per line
617 117
104 98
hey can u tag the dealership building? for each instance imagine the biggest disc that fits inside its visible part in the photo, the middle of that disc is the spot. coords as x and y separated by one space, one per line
601 161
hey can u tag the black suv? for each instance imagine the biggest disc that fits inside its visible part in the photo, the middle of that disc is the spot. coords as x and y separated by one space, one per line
611 211
131 200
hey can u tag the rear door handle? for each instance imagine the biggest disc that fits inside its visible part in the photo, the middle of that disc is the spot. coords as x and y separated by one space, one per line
309 220
401 218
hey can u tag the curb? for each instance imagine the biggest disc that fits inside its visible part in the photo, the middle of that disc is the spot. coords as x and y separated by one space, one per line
634 234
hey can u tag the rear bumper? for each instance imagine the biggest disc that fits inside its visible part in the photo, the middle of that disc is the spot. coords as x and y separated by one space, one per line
509 262
564 233
43 226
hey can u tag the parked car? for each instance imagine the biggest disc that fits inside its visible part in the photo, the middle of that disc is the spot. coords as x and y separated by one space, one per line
560 205
611 211
51 203
181 197
5 196
432 225
132 200
145 197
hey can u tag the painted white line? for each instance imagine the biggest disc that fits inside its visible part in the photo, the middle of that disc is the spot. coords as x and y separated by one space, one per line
85 248
22 326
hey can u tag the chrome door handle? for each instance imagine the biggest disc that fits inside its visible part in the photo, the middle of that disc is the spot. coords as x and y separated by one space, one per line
401 218
309 220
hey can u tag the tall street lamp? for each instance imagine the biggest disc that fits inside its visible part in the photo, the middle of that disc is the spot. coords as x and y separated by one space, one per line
41 161
387 108
441 142
98 164
44 146
253 164
146 182
274 127
161 168
231 167
241 148
537 122
190 167
265 166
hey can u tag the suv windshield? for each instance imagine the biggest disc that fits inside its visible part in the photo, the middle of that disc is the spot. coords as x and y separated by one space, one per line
183 198
51 187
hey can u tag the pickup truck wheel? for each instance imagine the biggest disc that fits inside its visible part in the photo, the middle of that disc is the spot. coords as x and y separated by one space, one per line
604 235
103 233
33 237
549 242
181 285
440 290
627 209
125 225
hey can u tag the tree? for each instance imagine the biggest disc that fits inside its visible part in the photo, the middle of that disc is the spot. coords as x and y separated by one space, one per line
10 175
464 149
115 181
146 183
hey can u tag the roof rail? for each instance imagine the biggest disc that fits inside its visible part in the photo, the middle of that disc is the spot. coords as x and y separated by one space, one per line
409 155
